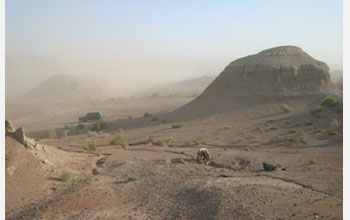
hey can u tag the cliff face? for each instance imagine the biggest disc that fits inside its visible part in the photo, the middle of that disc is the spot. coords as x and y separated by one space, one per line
280 71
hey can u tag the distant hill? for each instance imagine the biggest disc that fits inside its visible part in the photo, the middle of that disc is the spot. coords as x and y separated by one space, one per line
63 87
187 87
336 75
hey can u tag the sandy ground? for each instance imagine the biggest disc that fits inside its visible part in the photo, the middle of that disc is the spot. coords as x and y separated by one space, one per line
148 181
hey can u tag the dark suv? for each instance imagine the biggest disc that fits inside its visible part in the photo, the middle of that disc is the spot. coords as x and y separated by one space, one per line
91 116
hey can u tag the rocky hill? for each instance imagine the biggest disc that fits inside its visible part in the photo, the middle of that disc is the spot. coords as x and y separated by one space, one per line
63 88
274 75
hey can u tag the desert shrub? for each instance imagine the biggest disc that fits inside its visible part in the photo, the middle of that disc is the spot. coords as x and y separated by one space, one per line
308 123
120 131
49 134
300 133
65 176
311 162
160 142
297 124
66 132
333 133
292 131
92 133
228 127
133 178
164 121
270 121
80 127
330 101
91 146
147 115
178 125
248 148
120 140
66 127
259 128
130 117
239 140
319 130
317 116
199 140
100 125
273 140
299 140
169 141
100 132
152 139
285 108
274 128
287 138
314 112
154 119
288 122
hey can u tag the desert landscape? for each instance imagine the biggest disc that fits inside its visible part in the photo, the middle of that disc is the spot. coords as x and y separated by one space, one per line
277 106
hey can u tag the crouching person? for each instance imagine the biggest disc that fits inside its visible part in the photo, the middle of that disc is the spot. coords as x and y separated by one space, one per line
203 156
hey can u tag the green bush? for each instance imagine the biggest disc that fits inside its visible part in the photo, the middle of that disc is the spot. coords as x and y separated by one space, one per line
329 101
98 126
164 121
308 123
133 178
66 127
311 162
228 127
80 127
66 132
169 141
154 119
333 133
49 134
319 130
91 146
178 125
285 108
160 142
261 129
147 115
152 139
316 111
65 176
120 140
248 148
274 128
199 140
299 140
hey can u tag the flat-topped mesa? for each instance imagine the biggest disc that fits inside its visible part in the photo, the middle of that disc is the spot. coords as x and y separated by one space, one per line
279 71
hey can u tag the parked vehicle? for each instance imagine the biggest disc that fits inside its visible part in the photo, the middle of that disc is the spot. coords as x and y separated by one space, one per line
91 116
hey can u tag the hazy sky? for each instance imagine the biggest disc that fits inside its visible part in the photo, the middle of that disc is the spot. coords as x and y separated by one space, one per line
136 43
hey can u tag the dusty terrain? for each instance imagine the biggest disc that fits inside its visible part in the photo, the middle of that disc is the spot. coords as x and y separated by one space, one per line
148 181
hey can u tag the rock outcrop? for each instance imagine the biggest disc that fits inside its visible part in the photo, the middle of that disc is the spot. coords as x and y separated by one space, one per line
280 71
9 127
20 136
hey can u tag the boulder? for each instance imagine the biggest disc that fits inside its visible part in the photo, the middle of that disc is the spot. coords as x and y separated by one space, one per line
20 136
